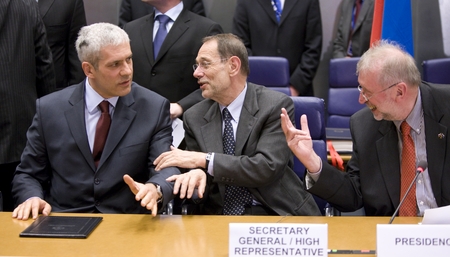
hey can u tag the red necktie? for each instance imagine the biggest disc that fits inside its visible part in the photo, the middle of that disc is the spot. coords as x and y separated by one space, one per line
408 172
101 131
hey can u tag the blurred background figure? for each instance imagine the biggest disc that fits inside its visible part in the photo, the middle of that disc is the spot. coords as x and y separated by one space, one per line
27 73
286 28
133 9
354 29
63 19
168 71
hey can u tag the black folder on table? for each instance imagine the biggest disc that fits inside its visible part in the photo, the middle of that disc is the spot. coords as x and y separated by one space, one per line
61 226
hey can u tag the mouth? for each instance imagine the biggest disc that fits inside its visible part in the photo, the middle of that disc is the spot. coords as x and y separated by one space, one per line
125 83
201 83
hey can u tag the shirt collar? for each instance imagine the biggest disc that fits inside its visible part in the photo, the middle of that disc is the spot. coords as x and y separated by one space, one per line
93 99
415 118
235 107
172 13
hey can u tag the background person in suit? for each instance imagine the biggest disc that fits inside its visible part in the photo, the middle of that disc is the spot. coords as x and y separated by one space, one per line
133 9
261 164
169 74
27 73
391 88
58 170
353 36
297 36
63 19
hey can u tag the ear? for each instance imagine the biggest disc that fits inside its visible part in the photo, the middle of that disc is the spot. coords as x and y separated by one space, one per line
235 65
88 69
401 89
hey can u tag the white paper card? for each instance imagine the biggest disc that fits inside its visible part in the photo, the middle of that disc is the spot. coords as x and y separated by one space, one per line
278 239
178 132
439 215
413 240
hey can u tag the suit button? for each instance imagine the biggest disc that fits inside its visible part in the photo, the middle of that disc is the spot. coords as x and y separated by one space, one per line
153 74
97 203
279 51
96 181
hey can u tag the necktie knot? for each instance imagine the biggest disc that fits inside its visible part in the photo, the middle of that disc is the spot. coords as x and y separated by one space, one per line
104 106
405 128
227 115
163 20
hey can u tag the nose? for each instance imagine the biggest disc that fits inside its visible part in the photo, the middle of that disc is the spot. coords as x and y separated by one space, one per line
127 69
198 72
361 99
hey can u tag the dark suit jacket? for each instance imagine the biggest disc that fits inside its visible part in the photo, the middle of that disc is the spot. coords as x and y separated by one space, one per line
57 164
298 37
361 31
63 19
134 9
26 72
171 74
262 157
372 179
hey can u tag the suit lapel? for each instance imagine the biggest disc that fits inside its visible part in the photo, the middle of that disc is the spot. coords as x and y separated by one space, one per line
288 7
362 15
387 149
435 136
147 37
121 121
247 119
179 27
268 8
77 123
213 140
44 6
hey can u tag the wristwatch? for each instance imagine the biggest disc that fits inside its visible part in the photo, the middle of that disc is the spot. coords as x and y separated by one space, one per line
159 192
208 158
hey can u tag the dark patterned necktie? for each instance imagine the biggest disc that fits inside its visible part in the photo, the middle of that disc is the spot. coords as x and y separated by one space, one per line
236 197
408 172
101 131
160 34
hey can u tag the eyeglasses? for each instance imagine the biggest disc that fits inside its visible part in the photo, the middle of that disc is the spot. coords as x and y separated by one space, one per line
360 89
204 65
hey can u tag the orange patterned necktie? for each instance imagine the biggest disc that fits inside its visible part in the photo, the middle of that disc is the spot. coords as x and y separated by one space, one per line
408 172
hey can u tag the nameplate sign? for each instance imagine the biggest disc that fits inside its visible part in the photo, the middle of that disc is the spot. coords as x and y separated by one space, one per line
413 240
278 239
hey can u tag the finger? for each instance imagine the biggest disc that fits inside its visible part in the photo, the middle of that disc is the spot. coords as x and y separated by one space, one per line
172 178
47 209
304 123
202 186
154 210
35 207
134 187
159 158
172 148
184 186
286 123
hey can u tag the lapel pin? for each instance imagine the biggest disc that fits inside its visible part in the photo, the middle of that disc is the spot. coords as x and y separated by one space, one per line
441 136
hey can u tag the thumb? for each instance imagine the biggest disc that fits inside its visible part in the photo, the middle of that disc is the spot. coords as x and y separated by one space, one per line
131 184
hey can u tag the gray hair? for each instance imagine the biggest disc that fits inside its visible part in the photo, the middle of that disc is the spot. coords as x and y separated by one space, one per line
91 39
229 45
391 63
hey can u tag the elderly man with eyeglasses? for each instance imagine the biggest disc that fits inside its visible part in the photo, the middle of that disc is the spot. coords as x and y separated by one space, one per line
236 153
405 126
